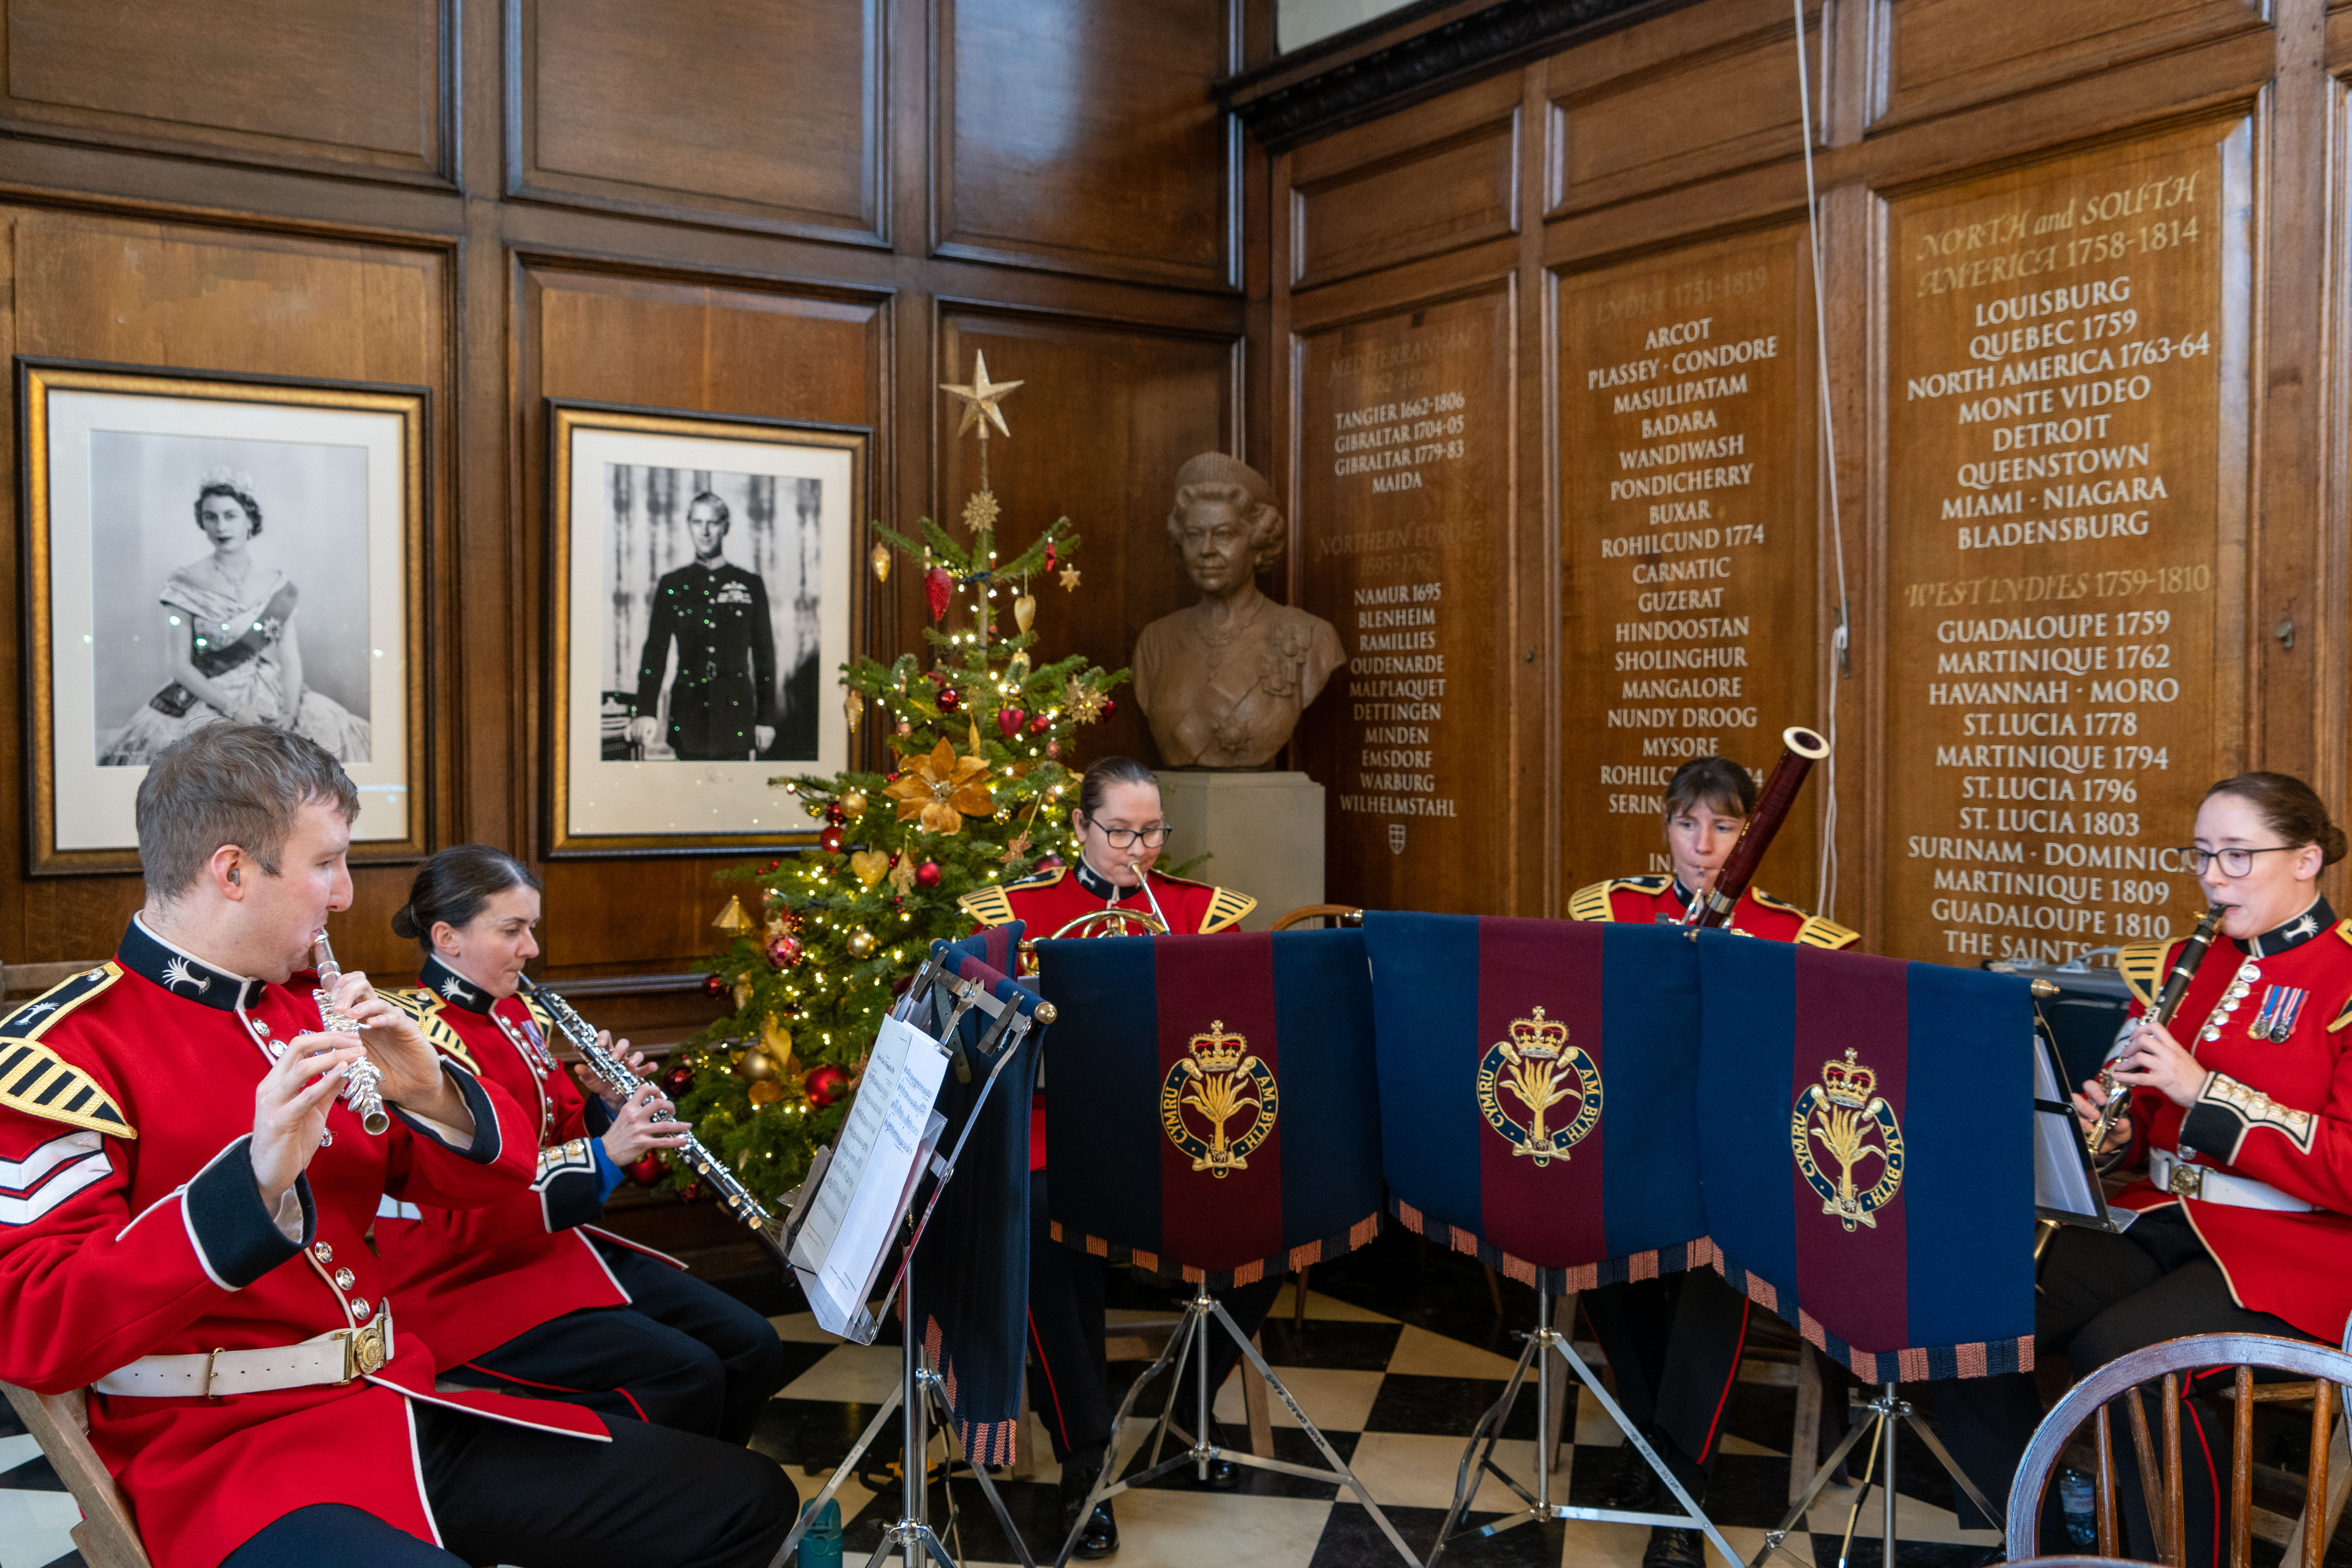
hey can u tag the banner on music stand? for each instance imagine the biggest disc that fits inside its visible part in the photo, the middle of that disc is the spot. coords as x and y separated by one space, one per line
1538 1087
1868 1153
971 1272
1212 1109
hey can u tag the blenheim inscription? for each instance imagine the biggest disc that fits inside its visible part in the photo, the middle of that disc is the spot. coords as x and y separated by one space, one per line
2067 438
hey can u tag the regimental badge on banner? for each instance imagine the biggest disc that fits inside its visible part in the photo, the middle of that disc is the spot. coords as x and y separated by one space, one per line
2282 1005
1536 1068
1855 1129
1206 1090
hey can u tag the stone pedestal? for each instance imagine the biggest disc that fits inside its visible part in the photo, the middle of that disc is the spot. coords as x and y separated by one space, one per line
1263 833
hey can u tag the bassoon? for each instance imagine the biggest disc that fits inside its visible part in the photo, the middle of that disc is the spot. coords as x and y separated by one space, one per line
1802 749
2167 1002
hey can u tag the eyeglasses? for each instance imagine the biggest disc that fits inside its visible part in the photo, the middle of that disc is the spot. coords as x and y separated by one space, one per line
2234 862
1129 837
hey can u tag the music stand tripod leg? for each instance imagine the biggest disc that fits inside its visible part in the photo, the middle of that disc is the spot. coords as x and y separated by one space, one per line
1476 1462
1804 1503
1107 1484
979 1472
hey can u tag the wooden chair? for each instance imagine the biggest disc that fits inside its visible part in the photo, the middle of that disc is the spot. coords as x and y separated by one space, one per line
2088 1401
106 1536
1322 914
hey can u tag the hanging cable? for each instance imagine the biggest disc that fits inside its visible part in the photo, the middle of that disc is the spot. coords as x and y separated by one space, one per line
1841 641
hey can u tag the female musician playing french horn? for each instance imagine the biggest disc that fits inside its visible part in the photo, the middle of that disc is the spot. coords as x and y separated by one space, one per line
2242 1110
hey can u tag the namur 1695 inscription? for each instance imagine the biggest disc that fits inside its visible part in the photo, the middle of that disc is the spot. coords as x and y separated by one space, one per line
1688 540
2065 454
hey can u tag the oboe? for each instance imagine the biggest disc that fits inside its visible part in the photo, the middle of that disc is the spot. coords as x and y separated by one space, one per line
362 1081
2167 1003
709 1166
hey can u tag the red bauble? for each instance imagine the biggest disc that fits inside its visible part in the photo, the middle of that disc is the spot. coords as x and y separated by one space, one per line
786 952
677 1081
824 1085
1040 724
926 875
714 985
1053 748
690 1193
1049 556
1009 721
940 587
829 840
836 813
949 699
646 1172
1109 708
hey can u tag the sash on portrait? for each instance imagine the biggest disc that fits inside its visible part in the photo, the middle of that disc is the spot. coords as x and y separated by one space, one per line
1538 1092
1869 1159
971 1276
1213 1110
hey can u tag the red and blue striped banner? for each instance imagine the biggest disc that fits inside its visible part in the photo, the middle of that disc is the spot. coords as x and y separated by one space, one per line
1481 1018
1868 1153
1211 1105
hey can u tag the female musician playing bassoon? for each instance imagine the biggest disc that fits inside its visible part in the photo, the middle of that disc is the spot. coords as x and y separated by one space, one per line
2241 1108
532 1297
1675 1341
1120 830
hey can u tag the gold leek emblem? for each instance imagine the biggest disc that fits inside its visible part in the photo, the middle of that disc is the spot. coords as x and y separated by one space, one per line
1537 1068
1853 1126
1205 1092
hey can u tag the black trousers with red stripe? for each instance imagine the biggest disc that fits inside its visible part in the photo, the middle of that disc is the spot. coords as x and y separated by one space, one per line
1675 1344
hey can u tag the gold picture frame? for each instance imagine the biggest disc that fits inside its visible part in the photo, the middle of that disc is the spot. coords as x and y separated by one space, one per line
112 458
625 486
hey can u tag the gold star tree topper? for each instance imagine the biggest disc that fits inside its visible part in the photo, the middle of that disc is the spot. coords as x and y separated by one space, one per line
980 398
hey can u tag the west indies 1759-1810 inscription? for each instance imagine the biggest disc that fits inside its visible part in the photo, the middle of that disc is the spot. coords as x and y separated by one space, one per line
2066 483
1688 538
1404 460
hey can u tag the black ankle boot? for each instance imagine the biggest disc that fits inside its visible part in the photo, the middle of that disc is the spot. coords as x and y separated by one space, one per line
1100 1536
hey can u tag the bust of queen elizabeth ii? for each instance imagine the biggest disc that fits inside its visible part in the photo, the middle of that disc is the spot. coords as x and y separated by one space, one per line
1223 683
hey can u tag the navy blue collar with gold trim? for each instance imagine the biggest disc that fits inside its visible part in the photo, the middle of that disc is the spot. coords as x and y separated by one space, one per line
453 987
1102 887
182 973
2292 934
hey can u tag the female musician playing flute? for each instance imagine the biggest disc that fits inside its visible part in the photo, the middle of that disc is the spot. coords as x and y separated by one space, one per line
530 1296
1675 1341
2244 1221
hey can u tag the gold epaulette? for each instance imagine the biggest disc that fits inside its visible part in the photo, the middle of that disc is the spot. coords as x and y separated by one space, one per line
1819 931
1591 902
1225 908
2344 929
989 906
37 1081
425 1008
1770 902
540 1015
2141 964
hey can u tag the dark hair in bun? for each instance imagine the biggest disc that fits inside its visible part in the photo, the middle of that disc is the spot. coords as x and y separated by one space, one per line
2290 808
1711 784
1098 779
453 886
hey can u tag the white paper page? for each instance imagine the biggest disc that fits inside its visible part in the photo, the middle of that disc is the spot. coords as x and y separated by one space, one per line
874 1164
883 1066
2060 1181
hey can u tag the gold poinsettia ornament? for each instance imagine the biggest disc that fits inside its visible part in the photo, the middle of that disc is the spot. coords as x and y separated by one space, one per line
1084 704
937 791
981 511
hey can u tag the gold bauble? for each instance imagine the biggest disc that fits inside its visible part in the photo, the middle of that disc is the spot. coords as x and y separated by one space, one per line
755 1063
861 944
852 801
1025 611
879 559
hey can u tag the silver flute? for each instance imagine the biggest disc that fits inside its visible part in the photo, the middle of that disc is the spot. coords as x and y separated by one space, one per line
362 1081
738 1198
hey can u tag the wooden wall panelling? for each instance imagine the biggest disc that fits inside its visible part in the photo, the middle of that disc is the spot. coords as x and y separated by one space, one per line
364 91
1108 413
1423 182
760 114
1941 55
719 346
1069 144
126 290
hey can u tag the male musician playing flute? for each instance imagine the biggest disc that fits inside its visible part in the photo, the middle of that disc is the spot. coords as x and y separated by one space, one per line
1675 1341
183 1203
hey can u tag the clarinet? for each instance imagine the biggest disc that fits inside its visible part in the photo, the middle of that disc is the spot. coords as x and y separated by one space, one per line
738 1198
364 1080
2167 1003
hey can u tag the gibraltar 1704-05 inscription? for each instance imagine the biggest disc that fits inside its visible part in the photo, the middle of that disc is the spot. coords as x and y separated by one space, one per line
1688 540
2066 489
1405 458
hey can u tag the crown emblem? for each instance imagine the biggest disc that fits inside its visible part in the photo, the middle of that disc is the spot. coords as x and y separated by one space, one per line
1846 1084
1216 1050
1541 1038
1206 1093
1523 1077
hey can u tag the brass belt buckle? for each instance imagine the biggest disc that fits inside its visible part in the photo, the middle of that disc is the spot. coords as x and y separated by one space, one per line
2186 1180
363 1350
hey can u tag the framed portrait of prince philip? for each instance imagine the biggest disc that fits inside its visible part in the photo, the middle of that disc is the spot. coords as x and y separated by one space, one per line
699 574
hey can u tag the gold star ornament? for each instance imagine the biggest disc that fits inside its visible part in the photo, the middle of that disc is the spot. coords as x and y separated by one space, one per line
980 398
1069 579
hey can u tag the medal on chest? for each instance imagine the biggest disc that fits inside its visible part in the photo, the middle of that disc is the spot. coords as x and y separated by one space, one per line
2282 1005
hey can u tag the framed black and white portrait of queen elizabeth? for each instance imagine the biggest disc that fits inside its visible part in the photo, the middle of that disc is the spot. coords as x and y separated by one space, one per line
201 548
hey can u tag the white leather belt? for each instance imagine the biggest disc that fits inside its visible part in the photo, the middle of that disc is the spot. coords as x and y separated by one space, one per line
337 1356
2178 1177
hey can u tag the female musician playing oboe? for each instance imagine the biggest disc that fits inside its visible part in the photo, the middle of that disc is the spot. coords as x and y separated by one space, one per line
2244 1223
530 1297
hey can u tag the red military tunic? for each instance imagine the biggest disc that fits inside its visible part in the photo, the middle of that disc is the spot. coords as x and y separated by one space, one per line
2278 1110
471 1279
130 1225
1663 900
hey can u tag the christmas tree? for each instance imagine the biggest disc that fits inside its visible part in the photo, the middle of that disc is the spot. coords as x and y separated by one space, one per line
979 787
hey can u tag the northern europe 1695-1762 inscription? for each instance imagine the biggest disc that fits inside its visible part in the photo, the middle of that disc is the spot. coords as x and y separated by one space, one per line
1687 541
1404 463
2066 481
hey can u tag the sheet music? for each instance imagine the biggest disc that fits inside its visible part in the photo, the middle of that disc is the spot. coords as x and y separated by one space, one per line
857 1210
2064 1186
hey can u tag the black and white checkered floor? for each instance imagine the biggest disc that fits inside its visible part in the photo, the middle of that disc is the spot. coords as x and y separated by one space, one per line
1402 1351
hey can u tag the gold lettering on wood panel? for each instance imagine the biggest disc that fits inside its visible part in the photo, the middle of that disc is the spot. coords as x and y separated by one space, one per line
1687 541
2066 481
1404 460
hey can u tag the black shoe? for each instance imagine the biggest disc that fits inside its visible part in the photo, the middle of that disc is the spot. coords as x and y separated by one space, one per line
1631 1486
1673 1549
1100 1536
